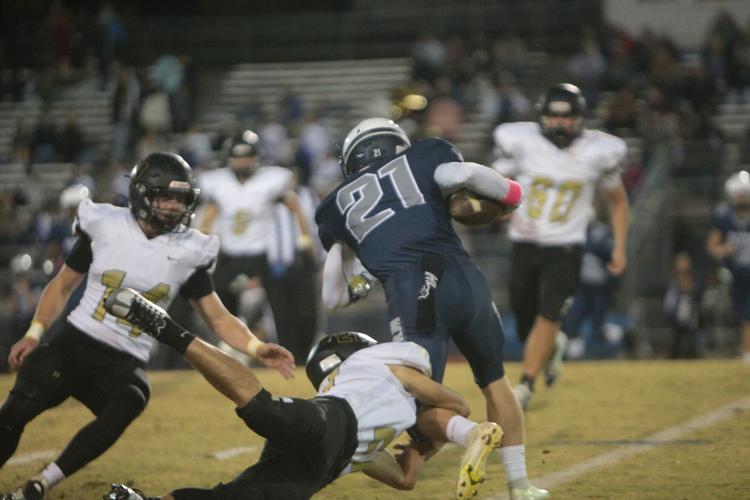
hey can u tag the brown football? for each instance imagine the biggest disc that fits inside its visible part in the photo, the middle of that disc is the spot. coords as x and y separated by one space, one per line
471 209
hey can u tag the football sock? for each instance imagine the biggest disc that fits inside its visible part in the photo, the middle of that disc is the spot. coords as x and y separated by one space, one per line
52 475
458 429
514 461
528 381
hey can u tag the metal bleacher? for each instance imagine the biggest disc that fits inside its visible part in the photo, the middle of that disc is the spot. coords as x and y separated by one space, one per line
348 86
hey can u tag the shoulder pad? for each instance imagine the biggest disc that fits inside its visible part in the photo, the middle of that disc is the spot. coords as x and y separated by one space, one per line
440 149
204 247
92 217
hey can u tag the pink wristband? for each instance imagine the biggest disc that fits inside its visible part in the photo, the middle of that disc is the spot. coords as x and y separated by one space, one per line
515 193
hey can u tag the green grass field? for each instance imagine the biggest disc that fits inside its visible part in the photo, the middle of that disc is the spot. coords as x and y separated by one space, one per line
596 408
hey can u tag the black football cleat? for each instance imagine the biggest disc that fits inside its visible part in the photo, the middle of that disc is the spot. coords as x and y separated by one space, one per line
32 490
121 492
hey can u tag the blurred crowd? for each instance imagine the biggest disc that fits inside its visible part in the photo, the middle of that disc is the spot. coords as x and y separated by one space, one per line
637 85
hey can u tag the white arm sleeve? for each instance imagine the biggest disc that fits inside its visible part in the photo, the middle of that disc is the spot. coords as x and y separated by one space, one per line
482 180
335 291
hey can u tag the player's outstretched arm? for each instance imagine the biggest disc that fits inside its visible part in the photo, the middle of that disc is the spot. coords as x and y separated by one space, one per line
231 378
235 333
51 303
429 392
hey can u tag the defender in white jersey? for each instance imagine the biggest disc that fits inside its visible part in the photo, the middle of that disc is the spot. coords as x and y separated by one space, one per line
560 164
240 209
366 397
99 359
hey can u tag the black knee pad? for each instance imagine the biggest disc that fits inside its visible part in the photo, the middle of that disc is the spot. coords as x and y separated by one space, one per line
18 410
130 398
40 384
258 413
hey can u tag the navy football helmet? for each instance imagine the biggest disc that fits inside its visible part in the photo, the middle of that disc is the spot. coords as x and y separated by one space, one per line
162 175
737 189
331 351
371 140
565 100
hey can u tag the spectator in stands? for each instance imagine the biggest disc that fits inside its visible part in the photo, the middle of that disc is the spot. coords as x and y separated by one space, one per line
314 140
196 147
275 147
21 145
125 106
508 53
327 174
682 307
291 108
43 145
623 113
224 136
444 114
664 72
429 57
729 46
71 141
729 242
61 25
587 67
112 35
510 103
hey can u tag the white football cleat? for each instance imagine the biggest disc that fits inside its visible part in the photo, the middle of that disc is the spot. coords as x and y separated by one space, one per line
523 394
482 439
529 493
553 370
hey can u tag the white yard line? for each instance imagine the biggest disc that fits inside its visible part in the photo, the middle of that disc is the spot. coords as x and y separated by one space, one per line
550 481
233 452
27 458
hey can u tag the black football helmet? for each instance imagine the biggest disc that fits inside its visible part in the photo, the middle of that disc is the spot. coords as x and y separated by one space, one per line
158 175
243 153
563 99
371 140
331 351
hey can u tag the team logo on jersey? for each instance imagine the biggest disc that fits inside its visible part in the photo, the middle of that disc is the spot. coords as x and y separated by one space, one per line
430 283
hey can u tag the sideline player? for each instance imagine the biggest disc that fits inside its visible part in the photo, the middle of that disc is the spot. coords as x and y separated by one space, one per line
392 212
97 358
729 242
366 397
559 163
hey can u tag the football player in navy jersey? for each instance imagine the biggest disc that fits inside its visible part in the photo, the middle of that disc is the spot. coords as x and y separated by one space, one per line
391 211
729 242
97 358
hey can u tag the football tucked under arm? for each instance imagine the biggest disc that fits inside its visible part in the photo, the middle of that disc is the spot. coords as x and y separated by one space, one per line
477 194
471 209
